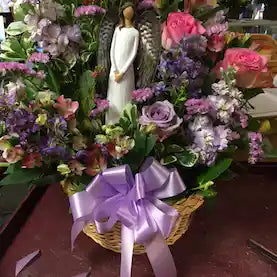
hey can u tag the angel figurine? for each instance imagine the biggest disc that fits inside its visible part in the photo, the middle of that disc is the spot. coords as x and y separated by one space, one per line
119 45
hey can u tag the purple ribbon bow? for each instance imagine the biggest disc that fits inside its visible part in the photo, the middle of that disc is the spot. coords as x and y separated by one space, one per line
115 195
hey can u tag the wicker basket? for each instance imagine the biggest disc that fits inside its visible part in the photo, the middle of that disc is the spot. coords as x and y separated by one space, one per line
111 240
266 46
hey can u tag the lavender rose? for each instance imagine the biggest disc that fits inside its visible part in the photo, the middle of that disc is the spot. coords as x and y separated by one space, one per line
163 115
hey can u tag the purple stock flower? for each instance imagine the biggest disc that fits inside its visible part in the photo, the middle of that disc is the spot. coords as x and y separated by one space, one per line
7 98
208 140
22 123
141 95
159 88
89 10
162 114
255 152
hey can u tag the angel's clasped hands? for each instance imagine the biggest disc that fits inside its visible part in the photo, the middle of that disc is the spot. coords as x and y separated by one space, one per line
118 76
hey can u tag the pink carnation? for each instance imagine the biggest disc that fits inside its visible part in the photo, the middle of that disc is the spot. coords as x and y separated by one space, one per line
196 106
89 10
141 95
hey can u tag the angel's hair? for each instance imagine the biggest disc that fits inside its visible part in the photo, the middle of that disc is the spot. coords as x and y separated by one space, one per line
121 15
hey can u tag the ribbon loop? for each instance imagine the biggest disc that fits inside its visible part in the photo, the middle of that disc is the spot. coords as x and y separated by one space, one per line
115 195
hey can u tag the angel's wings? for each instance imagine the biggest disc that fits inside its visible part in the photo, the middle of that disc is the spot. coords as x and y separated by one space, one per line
149 50
106 32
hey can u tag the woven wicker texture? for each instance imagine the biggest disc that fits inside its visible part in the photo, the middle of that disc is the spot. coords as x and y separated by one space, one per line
267 46
111 240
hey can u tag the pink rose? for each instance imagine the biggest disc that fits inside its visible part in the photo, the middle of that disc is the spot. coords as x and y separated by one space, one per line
243 59
179 25
251 67
66 107
216 43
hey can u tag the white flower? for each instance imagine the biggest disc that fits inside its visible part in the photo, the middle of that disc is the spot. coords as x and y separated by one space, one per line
200 122
223 106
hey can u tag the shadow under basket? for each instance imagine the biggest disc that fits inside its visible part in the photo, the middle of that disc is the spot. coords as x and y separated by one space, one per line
112 240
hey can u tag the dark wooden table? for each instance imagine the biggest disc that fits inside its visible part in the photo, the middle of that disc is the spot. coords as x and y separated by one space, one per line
215 245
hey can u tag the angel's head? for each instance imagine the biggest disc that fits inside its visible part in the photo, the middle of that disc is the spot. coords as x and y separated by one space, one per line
127 12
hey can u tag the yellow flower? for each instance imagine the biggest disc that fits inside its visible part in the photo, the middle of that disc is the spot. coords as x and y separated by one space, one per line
63 169
265 126
45 97
41 120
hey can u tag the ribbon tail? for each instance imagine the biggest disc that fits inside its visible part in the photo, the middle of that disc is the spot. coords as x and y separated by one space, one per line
160 257
127 245
77 227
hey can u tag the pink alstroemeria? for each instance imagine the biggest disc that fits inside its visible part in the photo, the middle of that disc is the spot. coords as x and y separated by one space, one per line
66 107
13 155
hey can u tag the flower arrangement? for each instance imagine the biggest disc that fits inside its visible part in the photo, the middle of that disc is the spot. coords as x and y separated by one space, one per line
192 116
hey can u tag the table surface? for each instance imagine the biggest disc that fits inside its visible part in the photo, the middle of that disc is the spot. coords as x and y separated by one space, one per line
214 246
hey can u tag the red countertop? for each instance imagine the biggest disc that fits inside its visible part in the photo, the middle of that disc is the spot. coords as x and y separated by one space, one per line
214 246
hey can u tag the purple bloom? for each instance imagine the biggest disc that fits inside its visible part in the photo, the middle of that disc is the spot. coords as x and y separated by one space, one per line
243 117
101 106
221 137
89 10
39 58
197 106
159 88
145 4
194 46
7 98
56 153
255 152
22 123
57 128
141 95
163 115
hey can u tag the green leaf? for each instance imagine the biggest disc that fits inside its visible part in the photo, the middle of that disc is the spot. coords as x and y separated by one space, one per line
51 81
174 148
269 151
253 125
48 180
252 92
21 176
159 149
16 28
210 193
85 56
168 160
13 49
87 91
150 143
187 158
26 42
215 171
12 168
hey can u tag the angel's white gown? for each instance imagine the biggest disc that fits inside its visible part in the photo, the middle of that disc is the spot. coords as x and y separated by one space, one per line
123 52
